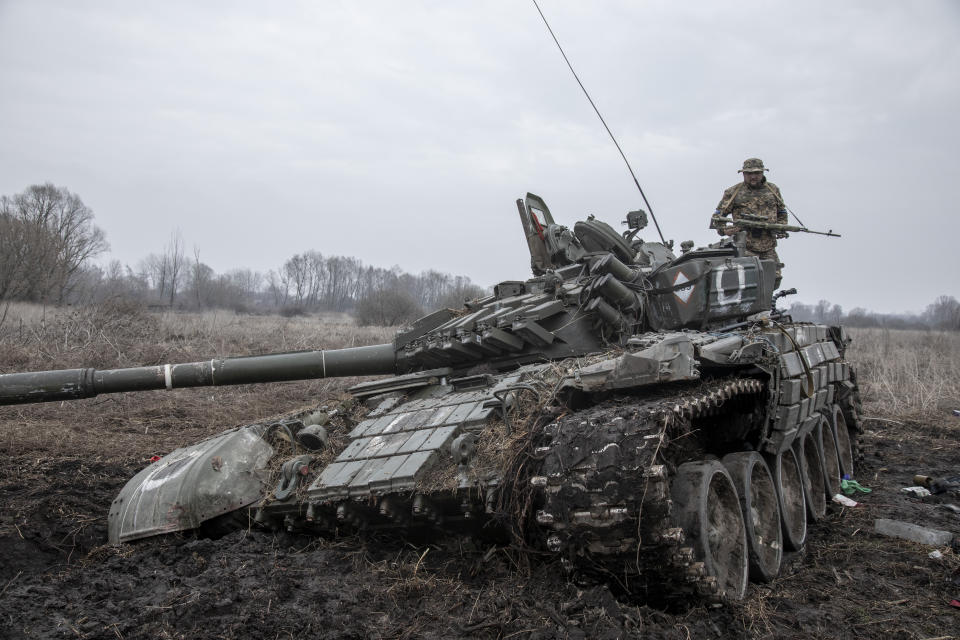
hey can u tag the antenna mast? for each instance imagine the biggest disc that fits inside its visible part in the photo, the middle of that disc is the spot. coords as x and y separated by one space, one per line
604 122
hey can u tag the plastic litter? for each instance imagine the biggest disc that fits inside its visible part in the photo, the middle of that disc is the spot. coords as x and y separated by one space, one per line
916 492
956 412
844 500
851 486
935 554
907 531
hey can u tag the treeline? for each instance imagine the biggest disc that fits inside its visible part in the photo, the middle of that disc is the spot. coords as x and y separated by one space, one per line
943 313
48 243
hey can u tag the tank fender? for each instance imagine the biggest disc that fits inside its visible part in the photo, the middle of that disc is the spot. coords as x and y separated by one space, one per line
191 485
734 349
669 359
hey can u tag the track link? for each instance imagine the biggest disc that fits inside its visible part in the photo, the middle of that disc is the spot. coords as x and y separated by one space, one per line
606 485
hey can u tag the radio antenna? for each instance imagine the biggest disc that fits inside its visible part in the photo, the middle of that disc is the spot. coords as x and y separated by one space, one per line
604 122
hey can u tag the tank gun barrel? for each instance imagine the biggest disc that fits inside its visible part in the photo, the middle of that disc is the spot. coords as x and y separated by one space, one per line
72 384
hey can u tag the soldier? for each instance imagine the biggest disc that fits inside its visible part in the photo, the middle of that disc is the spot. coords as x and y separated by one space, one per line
757 197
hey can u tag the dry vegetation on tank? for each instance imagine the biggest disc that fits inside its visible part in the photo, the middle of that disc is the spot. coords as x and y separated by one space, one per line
62 465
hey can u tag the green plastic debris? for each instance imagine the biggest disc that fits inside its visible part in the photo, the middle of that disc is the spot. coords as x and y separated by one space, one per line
850 487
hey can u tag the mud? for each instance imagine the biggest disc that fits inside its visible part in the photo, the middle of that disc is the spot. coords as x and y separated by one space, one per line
59 580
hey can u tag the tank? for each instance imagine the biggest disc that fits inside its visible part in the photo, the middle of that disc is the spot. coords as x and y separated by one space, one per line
650 419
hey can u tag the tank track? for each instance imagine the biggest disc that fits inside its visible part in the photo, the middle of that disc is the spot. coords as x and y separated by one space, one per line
606 481
852 407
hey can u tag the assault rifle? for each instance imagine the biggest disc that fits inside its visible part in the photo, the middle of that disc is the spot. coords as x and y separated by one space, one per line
748 221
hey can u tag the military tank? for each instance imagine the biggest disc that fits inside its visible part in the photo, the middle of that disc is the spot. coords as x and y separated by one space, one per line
649 419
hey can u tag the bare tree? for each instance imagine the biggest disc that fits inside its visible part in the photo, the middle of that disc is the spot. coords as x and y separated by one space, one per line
821 310
277 288
836 314
296 272
173 256
153 270
200 277
247 283
55 238
944 313
14 254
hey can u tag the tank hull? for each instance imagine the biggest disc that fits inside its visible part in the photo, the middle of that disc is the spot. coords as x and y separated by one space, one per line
602 460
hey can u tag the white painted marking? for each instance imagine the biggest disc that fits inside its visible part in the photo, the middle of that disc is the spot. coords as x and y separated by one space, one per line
168 376
393 423
684 293
151 482
147 486
723 298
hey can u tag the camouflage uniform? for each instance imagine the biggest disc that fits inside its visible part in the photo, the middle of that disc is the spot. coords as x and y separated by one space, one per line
764 201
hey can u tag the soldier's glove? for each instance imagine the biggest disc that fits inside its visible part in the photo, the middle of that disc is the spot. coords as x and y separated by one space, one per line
782 234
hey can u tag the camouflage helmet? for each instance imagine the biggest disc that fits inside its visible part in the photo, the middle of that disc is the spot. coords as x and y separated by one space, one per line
753 165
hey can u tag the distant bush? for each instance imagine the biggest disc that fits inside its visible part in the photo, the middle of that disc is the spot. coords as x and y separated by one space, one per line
387 308
292 312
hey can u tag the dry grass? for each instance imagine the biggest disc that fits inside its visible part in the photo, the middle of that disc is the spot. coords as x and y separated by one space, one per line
125 335
906 372
113 336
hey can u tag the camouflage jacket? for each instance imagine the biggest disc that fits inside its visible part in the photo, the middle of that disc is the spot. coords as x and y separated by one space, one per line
764 201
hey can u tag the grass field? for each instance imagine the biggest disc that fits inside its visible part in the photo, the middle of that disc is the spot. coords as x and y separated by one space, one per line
62 464
907 372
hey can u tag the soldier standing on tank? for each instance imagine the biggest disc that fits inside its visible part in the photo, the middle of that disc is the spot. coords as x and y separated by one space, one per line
755 196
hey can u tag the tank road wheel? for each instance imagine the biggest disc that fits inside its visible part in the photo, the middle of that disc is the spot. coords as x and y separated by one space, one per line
761 512
844 440
811 471
830 457
788 479
706 506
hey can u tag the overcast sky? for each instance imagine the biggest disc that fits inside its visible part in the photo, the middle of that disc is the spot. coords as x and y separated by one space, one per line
402 132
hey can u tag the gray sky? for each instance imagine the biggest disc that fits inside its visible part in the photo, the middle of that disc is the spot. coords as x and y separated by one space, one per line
402 132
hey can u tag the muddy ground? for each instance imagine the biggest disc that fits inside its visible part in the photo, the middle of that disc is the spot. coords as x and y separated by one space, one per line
62 465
